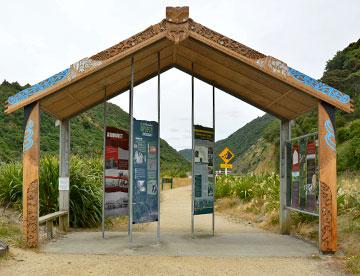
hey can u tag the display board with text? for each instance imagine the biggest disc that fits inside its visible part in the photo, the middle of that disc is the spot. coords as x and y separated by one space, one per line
145 171
116 172
203 158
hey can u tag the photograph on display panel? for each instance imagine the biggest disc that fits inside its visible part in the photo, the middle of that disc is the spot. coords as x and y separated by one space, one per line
116 172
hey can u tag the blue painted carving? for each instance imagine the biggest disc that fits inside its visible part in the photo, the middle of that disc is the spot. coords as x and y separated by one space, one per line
24 94
28 136
330 135
317 85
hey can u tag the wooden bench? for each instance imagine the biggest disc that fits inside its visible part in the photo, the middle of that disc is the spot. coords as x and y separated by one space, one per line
49 220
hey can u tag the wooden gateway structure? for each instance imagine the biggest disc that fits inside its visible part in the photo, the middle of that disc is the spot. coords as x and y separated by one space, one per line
178 41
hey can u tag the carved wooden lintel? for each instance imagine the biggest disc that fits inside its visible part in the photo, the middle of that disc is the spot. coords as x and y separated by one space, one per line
224 41
130 42
274 65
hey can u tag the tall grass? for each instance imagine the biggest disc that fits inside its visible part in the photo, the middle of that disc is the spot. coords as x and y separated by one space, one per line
85 188
260 193
258 196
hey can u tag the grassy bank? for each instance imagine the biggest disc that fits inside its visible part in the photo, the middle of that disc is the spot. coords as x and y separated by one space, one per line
255 198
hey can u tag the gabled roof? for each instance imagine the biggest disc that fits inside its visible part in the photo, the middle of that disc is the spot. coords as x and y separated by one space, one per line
180 42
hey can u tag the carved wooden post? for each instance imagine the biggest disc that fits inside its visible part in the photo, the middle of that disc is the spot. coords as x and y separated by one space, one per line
327 161
285 134
64 173
31 165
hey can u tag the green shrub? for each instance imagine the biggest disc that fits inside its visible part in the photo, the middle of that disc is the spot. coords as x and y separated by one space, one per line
85 192
11 185
85 188
223 186
49 175
343 134
249 186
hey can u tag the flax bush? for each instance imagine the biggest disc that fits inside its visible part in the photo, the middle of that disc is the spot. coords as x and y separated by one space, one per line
85 188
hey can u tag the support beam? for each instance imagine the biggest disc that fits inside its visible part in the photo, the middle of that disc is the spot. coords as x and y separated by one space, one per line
214 174
31 165
158 153
193 154
327 162
64 174
285 134
104 170
131 148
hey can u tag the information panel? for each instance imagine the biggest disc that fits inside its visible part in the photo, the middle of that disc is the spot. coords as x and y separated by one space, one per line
203 170
116 172
145 171
304 188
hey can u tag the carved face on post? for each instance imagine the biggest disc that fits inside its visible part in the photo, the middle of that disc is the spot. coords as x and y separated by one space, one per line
177 25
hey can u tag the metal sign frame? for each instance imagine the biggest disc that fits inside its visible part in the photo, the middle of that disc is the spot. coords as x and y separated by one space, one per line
131 157
193 153
289 176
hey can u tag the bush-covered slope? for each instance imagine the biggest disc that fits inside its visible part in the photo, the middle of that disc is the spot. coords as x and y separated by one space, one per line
343 73
186 153
242 139
86 133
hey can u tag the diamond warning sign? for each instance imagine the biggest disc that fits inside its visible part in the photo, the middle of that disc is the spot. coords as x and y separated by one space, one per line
226 155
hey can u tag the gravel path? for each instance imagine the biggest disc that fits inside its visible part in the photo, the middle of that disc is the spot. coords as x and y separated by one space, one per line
175 219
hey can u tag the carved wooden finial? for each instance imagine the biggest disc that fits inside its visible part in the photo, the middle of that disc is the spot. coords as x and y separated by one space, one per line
177 25
177 14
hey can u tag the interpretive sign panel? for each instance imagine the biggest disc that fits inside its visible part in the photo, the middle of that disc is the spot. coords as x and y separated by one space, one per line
304 188
116 172
203 170
145 171
312 184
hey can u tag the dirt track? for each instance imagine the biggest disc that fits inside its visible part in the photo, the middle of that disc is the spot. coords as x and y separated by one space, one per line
175 218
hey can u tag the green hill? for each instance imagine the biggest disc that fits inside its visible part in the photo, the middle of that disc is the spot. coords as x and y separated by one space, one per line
86 134
186 154
256 145
242 139
341 72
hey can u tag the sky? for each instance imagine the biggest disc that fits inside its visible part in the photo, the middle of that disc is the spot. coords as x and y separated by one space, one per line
40 38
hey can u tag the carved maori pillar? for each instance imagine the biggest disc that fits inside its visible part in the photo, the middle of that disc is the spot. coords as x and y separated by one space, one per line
327 161
31 164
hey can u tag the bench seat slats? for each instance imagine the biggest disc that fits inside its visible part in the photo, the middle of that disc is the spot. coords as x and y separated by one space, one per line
52 216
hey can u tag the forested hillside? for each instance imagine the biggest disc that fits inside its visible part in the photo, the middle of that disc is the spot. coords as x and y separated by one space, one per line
241 140
86 133
343 73
256 145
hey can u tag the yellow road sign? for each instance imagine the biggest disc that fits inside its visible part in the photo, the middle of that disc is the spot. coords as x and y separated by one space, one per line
226 155
226 166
